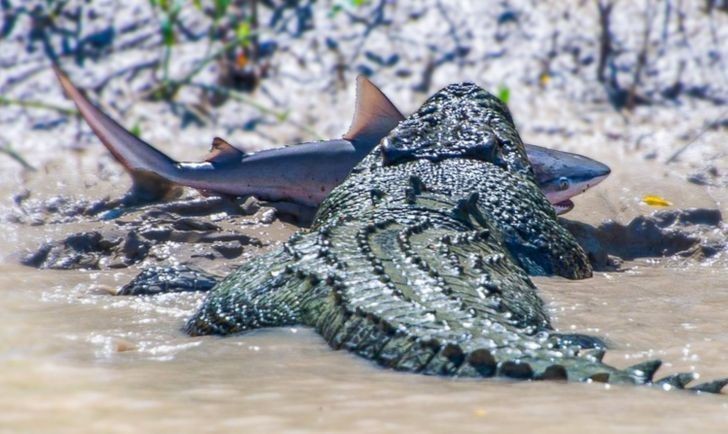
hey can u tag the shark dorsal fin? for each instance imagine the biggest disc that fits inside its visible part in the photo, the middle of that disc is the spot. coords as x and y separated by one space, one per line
222 152
375 115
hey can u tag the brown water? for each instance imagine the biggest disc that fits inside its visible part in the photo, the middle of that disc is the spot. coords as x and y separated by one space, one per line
75 359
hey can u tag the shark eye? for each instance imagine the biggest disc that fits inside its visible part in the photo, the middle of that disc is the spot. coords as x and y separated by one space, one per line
563 183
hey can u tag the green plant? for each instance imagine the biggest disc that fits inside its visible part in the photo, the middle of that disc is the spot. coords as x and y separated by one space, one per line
504 93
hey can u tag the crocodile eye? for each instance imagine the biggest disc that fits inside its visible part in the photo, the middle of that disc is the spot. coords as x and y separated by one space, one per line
563 183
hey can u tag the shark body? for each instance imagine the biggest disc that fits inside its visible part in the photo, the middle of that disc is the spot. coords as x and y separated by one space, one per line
304 173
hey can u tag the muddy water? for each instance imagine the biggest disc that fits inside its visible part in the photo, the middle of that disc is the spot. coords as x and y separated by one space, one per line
75 359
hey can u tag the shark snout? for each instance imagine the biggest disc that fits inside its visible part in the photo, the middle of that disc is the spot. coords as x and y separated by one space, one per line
599 173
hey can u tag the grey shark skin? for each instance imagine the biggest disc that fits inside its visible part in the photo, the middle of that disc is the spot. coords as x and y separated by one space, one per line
419 260
304 173
563 175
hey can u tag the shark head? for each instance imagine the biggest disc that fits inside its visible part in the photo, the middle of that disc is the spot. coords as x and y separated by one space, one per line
563 175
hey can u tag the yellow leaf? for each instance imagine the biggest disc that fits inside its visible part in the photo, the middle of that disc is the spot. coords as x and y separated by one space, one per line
656 201
544 79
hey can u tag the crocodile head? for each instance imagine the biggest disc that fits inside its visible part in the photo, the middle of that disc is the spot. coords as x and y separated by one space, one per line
460 121
463 139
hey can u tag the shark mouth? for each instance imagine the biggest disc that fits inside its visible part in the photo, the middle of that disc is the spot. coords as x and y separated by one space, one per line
563 207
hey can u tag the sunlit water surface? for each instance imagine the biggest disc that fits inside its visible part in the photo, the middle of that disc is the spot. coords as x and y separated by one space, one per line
73 359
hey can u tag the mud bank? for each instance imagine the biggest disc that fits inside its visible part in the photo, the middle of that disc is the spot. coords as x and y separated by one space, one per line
200 231
695 233
159 229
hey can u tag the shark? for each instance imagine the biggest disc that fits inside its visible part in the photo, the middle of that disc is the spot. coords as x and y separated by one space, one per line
304 173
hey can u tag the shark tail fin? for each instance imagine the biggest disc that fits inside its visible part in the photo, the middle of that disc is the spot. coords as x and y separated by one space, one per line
375 115
151 170
150 187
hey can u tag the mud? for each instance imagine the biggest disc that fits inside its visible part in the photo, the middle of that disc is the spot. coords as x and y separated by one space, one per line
132 235
195 229
695 233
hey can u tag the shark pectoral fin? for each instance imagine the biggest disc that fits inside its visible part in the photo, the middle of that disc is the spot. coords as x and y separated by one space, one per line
222 152
261 293
374 116
149 187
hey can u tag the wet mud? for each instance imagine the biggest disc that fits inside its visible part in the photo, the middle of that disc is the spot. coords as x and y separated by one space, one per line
193 231
192 227
695 233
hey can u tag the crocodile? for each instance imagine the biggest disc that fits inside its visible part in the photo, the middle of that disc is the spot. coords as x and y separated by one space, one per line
420 260
302 174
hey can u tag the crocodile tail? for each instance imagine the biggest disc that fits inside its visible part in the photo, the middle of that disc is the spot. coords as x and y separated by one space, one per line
375 339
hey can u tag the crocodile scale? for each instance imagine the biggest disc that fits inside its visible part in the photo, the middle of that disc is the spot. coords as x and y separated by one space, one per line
420 260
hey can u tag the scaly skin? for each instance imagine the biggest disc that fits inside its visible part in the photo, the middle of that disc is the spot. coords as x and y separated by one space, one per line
420 259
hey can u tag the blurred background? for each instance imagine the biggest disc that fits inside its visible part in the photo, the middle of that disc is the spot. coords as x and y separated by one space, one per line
641 80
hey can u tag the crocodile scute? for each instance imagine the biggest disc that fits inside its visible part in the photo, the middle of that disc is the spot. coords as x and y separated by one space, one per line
420 260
